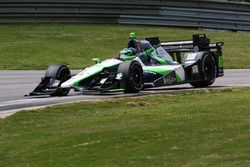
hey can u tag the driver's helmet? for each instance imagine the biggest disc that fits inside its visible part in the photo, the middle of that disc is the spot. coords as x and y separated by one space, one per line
127 54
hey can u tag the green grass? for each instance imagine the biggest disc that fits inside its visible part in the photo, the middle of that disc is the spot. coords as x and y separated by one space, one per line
35 46
191 129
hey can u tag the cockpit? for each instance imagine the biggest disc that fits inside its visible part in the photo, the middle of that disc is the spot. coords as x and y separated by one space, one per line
149 54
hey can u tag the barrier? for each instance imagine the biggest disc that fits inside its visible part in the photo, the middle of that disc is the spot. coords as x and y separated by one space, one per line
199 14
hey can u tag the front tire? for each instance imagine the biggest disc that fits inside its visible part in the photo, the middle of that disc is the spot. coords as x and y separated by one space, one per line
132 81
208 71
59 72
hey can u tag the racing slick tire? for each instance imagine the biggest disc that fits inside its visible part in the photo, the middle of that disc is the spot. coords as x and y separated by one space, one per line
208 72
132 80
59 72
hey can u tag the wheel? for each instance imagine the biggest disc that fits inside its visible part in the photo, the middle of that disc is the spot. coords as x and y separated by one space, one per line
132 81
208 71
59 72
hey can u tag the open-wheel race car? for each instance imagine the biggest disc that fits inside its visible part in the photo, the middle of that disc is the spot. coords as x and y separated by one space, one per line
143 64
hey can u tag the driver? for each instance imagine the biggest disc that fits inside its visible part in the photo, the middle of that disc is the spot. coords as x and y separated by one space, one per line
127 54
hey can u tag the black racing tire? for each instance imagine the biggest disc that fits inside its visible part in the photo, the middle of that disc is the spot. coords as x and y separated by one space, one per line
132 80
208 72
59 72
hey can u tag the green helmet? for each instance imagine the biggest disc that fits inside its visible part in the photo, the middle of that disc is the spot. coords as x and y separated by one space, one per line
127 54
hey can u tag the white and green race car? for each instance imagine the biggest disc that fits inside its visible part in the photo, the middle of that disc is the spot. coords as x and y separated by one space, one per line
143 64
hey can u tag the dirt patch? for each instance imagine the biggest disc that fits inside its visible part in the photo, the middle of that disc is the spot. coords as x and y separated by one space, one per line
141 103
114 101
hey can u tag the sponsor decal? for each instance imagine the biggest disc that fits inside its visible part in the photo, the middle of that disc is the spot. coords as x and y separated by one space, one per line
195 69
191 56
151 72
170 79
55 84
196 48
119 76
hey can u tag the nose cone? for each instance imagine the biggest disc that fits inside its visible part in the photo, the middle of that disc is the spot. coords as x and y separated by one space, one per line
66 84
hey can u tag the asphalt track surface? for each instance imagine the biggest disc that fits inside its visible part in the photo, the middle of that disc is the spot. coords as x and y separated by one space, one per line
15 84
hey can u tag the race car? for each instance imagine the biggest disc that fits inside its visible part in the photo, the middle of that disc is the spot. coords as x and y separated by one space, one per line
142 64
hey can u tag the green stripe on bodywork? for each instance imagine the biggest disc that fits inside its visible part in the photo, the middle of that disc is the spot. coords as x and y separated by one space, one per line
178 79
162 61
128 58
220 62
116 90
159 70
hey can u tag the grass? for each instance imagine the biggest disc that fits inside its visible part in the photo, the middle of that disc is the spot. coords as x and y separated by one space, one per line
35 46
190 129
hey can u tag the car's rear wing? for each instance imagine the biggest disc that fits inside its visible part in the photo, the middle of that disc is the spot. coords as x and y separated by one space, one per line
199 43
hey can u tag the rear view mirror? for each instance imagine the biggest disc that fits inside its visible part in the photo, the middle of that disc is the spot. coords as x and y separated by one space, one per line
96 60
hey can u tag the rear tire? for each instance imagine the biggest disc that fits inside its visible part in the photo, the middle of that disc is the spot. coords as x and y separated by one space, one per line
59 72
208 71
132 81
